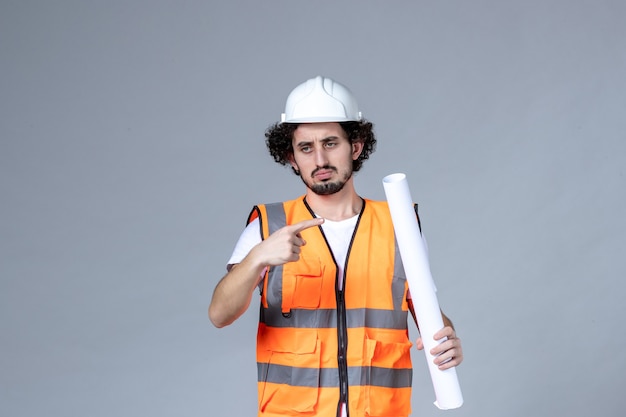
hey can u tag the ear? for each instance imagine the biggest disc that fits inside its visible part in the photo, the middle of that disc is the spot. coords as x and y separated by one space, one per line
292 162
357 148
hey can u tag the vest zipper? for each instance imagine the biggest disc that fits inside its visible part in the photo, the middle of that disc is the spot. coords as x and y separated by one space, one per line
342 325
342 343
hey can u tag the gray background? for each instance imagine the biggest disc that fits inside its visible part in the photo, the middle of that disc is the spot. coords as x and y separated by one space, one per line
132 150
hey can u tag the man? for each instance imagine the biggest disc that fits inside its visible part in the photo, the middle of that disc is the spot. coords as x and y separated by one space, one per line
333 335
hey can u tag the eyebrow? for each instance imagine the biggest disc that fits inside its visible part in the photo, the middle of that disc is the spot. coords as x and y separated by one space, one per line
309 142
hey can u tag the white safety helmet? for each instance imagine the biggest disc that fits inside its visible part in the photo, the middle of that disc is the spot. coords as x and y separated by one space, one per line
318 100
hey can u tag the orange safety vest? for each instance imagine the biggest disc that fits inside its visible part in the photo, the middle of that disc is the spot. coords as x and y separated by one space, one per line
318 346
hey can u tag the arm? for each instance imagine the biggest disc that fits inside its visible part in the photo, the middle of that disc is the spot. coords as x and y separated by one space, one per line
232 295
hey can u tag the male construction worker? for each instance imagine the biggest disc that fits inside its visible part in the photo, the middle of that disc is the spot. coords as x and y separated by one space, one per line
334 300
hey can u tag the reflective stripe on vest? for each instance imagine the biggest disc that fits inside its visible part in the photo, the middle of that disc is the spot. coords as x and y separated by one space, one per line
313 378
299 368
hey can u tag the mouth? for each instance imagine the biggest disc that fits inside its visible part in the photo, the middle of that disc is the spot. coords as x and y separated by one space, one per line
323 174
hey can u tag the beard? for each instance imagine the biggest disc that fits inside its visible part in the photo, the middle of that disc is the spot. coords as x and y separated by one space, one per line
327 187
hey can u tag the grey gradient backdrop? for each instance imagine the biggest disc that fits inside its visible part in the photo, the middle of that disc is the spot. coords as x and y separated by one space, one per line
132 150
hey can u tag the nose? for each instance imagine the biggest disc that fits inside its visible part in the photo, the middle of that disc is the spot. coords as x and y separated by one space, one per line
320 157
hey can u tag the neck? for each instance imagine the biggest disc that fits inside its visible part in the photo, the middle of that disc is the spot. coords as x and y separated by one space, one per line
336 207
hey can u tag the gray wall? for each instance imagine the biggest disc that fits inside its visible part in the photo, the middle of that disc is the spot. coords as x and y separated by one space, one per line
131 150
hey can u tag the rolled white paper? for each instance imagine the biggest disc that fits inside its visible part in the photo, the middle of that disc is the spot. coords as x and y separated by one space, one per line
423 293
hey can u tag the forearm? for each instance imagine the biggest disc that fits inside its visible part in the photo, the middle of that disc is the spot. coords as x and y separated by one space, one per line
233 293
446 321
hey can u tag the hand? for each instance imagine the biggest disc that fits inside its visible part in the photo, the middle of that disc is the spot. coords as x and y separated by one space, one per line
448 353
284 245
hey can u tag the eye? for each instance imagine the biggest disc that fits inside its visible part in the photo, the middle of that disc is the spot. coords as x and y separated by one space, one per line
305 149
330 144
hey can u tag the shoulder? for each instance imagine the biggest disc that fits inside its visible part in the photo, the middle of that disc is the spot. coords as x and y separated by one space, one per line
262 210
376 203
380 207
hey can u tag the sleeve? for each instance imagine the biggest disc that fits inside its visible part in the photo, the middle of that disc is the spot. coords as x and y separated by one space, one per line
250 237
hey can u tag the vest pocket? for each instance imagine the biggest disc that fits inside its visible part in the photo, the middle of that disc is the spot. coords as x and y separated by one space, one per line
302 284
290 383
389 378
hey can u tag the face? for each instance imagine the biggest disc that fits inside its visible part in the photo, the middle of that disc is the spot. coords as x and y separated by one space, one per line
323 155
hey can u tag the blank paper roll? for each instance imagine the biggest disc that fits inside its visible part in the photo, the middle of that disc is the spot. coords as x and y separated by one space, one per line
415 260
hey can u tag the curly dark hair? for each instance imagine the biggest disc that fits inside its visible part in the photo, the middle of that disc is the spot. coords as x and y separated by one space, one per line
279 137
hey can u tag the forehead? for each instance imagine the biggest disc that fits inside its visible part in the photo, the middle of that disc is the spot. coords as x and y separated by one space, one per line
318 131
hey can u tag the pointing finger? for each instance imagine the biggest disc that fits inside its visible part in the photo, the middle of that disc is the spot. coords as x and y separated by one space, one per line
305 224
